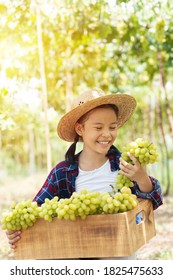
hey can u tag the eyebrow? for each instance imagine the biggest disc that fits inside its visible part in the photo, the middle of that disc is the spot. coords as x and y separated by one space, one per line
102 123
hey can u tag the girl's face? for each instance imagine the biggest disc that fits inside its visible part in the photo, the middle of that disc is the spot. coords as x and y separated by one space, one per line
99 130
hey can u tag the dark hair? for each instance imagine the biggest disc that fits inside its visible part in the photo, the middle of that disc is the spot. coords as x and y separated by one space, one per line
70 154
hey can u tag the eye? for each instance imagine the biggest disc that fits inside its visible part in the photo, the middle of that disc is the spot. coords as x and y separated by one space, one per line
113 128
98 128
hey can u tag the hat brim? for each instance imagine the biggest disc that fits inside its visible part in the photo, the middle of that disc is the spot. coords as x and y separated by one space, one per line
125 103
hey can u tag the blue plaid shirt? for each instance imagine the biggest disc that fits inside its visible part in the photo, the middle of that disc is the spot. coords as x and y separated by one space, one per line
61 181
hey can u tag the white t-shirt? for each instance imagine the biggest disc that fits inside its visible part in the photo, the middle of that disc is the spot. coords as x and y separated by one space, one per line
97 180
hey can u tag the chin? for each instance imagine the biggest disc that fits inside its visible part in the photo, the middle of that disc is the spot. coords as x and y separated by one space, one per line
104 150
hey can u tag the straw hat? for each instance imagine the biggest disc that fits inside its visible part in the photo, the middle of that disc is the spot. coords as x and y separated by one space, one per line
89 100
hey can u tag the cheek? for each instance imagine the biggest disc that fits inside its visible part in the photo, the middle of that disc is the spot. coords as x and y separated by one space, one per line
114 134
91 134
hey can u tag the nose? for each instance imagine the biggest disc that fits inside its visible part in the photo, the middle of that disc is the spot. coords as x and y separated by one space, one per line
106 133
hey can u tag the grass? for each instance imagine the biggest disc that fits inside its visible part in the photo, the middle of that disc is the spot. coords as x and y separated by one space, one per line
166 255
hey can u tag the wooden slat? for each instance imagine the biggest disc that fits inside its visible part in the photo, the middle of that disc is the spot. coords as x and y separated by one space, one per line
107 235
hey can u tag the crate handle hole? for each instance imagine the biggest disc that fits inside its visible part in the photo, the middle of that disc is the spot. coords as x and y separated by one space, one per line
140 217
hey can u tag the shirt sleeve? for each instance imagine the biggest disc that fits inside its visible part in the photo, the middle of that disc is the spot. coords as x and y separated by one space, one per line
47 190
155 195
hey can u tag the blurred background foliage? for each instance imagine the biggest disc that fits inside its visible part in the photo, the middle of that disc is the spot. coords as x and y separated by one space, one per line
52 50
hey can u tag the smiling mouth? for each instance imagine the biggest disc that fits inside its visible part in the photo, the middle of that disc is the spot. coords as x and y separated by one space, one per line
103 142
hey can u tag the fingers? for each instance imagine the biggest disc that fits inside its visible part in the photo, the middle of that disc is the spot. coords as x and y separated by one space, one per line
135 161
127 165
124 168
13 237
13 234
124 165
129 169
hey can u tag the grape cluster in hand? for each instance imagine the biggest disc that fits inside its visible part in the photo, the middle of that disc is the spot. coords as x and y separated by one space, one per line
144 151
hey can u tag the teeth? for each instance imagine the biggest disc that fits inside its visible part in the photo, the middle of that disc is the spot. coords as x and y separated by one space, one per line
103 142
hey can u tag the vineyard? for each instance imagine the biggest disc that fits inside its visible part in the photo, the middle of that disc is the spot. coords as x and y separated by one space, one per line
50 52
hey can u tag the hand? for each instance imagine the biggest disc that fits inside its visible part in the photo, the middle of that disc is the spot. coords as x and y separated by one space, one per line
132 171
13 236
136 172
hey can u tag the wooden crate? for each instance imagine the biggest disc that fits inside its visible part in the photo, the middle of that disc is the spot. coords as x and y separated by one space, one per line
98 236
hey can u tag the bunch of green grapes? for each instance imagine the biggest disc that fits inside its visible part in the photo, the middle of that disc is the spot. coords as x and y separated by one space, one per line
118 202
122 181
144 151
25 213
48 209
87 203
20 216
78 205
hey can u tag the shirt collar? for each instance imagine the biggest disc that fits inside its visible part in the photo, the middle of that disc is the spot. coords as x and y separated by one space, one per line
113 156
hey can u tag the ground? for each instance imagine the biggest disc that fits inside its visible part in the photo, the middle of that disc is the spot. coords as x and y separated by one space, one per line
159 247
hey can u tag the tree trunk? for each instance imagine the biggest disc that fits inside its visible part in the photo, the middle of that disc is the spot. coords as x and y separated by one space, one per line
163 84
69 81
151 117
166 161
69 85
39 157
31 152
0 149
44 87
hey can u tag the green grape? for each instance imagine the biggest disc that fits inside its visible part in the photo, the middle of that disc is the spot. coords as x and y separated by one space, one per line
144 151
21 215
126 190
128 204
122 181
25 213
122 208
48 209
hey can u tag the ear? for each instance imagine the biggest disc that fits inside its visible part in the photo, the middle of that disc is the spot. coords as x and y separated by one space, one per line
78 128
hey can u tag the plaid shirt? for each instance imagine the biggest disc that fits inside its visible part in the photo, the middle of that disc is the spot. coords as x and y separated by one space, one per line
61 181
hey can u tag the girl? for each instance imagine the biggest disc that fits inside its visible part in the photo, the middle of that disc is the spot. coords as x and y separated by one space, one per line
95 119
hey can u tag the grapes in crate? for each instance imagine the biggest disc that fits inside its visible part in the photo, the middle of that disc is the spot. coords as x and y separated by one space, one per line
20 216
